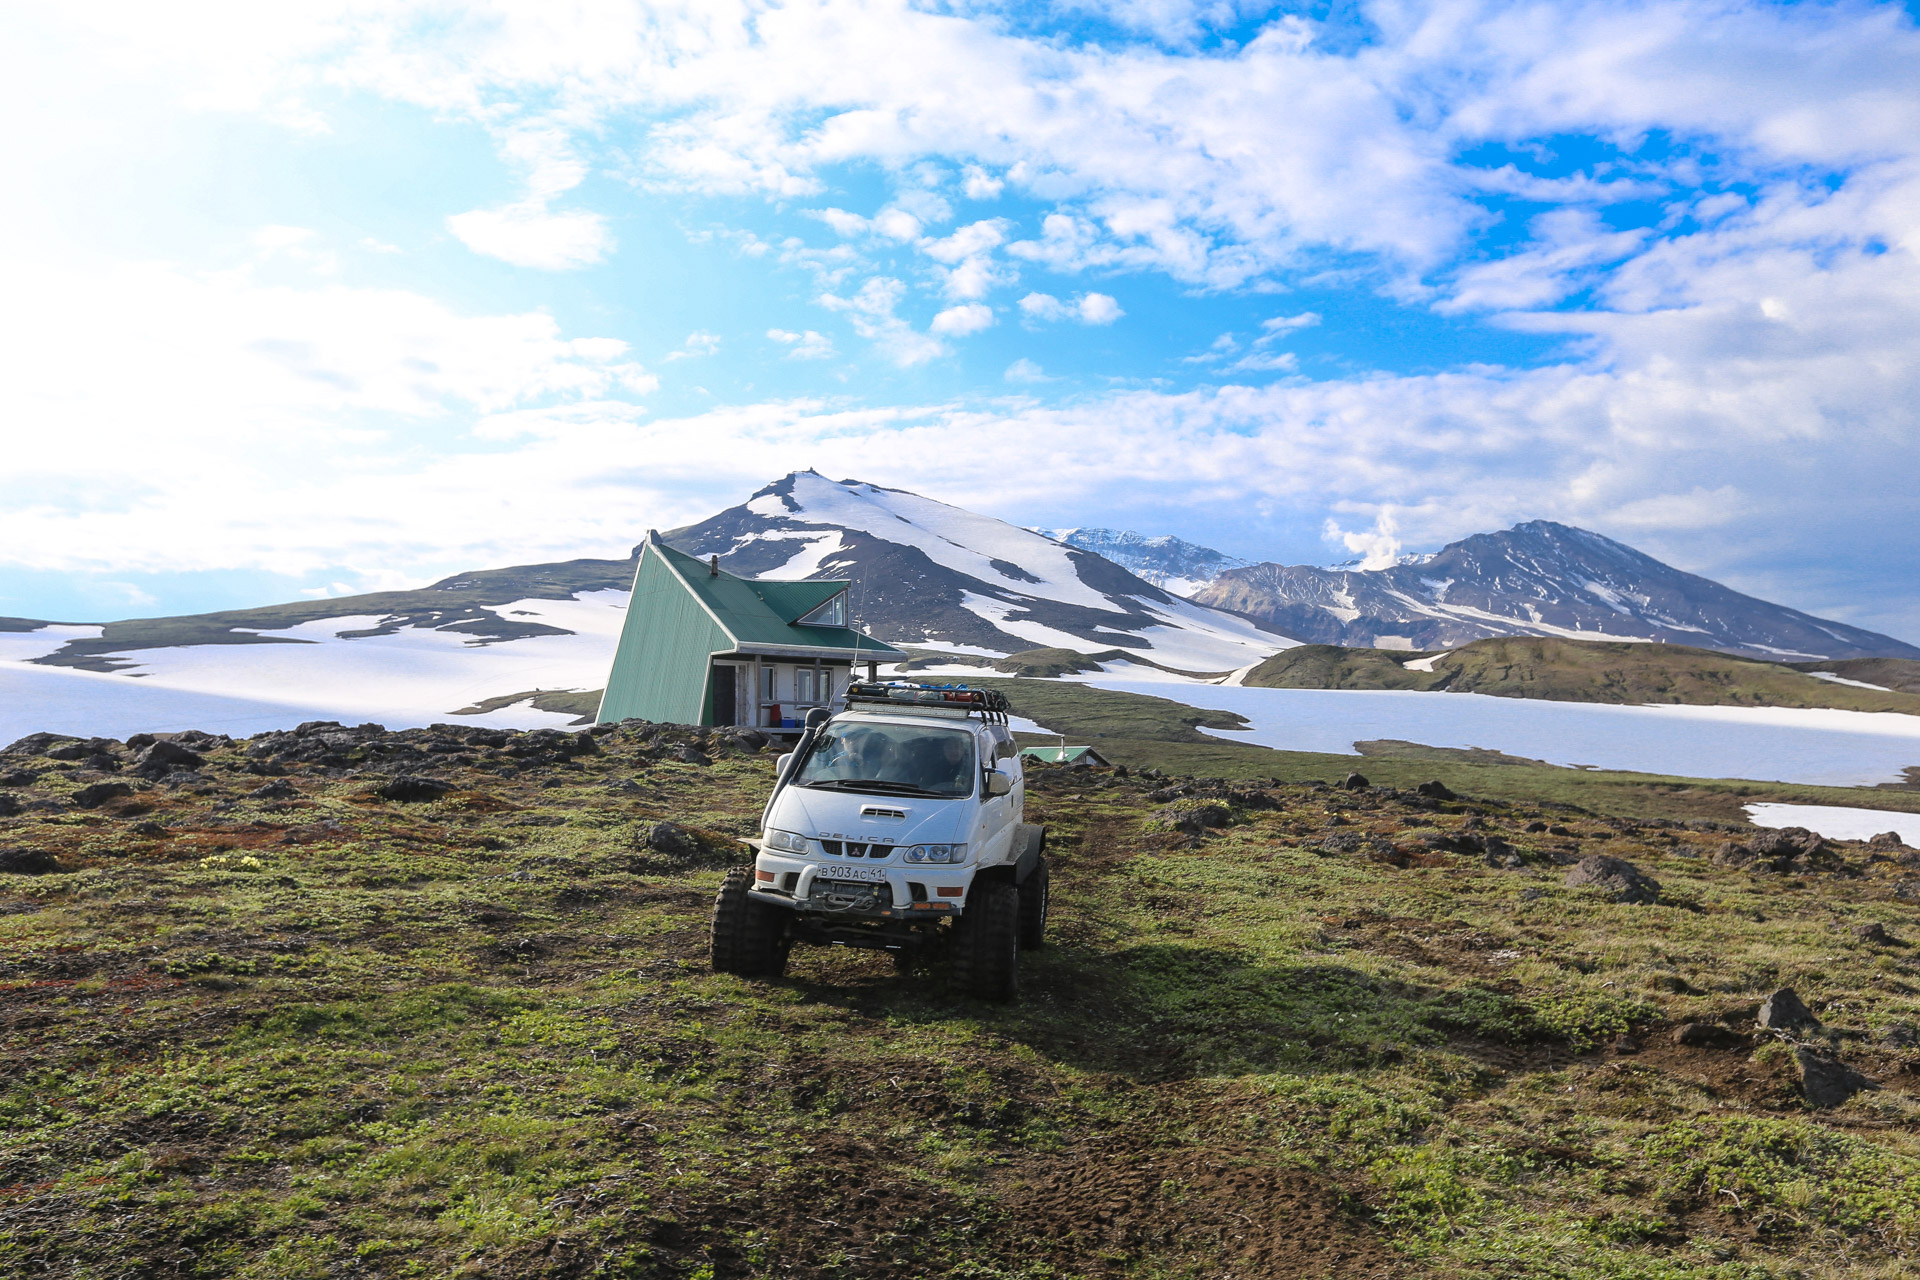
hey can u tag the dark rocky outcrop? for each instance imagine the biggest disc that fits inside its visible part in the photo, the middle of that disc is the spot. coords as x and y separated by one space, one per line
1827 1082
1619 879
27 862
1785 1011
99 793
1436 790
407 789
163 757
1708 1035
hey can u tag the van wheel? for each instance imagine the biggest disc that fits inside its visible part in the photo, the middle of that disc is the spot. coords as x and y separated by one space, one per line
986 943
749 938
1035 897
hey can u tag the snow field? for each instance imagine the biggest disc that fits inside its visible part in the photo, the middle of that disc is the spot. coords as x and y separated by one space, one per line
1837 822
1773 744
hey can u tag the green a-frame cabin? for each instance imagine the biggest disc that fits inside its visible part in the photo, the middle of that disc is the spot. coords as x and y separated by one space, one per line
702 646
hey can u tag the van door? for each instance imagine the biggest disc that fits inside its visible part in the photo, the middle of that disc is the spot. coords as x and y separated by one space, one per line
998 814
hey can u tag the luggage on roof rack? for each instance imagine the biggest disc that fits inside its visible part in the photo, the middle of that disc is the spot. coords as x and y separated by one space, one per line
903 695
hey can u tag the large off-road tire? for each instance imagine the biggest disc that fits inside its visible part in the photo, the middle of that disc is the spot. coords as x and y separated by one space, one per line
749 938
1035 892
986 943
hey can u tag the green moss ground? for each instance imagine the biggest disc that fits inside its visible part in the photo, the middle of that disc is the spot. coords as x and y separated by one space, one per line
328 1035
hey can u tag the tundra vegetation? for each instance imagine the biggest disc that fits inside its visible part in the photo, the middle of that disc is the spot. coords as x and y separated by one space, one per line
348 1002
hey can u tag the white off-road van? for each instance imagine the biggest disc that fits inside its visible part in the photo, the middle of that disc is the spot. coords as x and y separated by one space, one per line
896 824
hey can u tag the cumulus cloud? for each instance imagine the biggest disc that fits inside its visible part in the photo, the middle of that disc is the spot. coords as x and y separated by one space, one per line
1742 354
807 345
1087 308
531 235
870 311
959 321
1025 370
698 343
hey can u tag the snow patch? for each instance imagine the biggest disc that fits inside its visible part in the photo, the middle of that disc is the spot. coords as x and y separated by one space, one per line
1838 822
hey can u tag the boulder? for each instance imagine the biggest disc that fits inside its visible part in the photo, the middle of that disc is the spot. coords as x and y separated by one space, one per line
669 838
1619 879
26 862
1900 1035
165 757
1784 1011
1733 854
278 789
1827 1082
1435 791
35 744
1887 840
1356 782
407 789
689 755
99 793
1875 933
1708 1035
10 804
18 777
1535 827
1194 816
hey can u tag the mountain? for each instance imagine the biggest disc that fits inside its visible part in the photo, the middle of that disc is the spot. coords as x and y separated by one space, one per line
499 647
1538 578
934 576
1167 562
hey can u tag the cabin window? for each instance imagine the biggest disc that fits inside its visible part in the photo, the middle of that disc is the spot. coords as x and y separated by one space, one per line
831 614
803 685
766 684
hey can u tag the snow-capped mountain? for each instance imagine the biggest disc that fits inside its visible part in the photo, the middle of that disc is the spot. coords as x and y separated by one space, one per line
939 577
1166 561
478 646
1538 578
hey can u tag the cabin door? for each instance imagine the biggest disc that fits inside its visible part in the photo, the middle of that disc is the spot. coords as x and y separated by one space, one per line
726 705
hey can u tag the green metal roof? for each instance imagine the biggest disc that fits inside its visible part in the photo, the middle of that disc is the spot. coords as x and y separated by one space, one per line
1062 755
762 614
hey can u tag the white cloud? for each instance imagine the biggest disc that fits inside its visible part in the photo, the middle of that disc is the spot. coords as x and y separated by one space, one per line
959 321
1087 308
531 235
981 185
803 346
1266 362
870 311
1098 308
1280 326
698 343
1025 370
1378 547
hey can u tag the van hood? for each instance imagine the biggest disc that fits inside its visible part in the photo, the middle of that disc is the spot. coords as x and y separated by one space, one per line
849 815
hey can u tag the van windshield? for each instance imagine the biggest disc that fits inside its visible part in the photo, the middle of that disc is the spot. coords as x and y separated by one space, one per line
891 759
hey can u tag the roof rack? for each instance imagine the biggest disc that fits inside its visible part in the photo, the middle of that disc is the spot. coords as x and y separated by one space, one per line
908 696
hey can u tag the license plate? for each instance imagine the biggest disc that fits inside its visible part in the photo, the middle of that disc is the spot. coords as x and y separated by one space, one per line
854 872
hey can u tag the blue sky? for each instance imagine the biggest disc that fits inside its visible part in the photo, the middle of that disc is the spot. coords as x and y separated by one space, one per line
328 297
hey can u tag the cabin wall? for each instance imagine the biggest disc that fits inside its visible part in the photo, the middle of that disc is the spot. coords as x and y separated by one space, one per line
660 668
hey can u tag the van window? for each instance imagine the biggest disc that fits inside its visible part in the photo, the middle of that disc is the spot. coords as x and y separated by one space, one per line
891 759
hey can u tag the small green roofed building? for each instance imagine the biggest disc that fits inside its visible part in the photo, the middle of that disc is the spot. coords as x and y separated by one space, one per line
702 646
1076 757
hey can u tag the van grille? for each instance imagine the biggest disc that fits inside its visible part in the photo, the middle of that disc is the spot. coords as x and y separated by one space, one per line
855 849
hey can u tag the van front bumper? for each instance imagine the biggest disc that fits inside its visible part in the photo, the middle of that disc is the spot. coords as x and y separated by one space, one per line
913 890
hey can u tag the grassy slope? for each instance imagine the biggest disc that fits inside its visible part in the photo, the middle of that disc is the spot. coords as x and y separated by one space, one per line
1581 671
446 1039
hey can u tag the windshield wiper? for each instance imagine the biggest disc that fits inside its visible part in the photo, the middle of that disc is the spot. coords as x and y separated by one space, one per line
878 786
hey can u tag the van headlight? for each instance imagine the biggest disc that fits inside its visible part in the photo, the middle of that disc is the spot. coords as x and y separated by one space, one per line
786 840
936 853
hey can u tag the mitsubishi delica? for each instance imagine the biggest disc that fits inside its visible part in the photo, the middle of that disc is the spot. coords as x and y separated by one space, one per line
896 824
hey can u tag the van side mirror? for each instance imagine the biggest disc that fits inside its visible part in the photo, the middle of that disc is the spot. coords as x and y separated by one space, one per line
998 783
780 765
